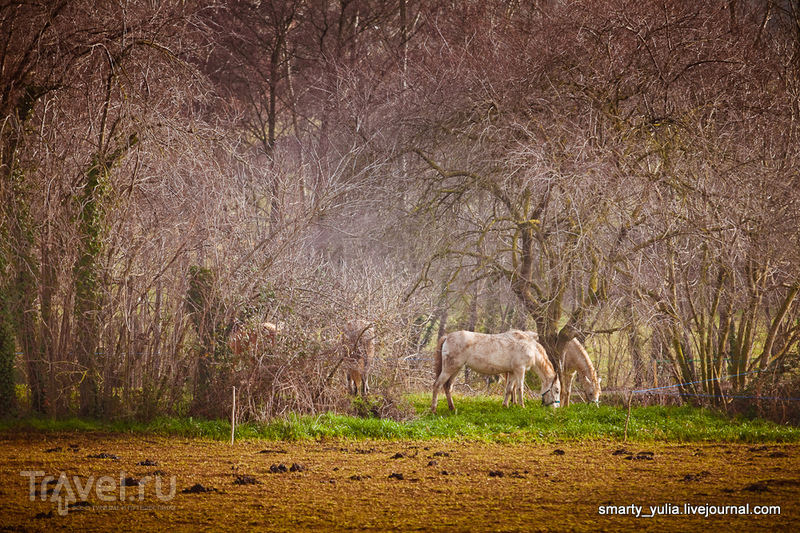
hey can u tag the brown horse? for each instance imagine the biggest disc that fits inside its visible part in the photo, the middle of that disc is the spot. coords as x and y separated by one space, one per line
512 352
576 360
251 339
358 348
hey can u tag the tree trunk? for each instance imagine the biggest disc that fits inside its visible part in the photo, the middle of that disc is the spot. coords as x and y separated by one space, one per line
8 354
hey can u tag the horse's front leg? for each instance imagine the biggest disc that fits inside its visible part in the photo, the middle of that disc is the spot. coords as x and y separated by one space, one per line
355 379
521 389
566 388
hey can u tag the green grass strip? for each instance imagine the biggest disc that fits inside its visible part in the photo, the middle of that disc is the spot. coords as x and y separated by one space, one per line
476 418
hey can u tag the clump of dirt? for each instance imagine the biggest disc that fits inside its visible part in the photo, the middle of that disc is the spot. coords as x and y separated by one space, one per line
696 477
77 506
242 479
631 456
197 488
363 451
757 487
104 455
640 456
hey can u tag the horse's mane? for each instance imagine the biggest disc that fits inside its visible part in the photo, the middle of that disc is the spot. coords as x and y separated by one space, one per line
518 335
576 357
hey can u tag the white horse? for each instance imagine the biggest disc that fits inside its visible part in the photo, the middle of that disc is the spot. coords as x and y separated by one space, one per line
576 360
512 352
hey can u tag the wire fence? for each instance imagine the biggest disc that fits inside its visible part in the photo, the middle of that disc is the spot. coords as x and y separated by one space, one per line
698 395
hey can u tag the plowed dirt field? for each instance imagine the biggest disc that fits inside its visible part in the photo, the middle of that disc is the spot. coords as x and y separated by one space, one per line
101 482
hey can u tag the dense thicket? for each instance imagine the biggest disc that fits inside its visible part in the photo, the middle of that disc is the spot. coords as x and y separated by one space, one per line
174 173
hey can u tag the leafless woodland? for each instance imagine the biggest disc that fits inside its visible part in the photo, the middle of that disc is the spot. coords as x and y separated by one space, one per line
621 171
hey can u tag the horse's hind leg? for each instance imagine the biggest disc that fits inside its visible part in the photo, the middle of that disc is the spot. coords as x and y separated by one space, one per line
437 384
510 381
444 381
448 388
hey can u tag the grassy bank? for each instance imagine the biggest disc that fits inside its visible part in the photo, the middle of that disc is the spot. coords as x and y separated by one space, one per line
476 418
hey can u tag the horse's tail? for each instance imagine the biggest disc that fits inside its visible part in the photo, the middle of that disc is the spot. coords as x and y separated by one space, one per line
438 364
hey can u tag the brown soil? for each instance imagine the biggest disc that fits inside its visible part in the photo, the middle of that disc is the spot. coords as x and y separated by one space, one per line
403 486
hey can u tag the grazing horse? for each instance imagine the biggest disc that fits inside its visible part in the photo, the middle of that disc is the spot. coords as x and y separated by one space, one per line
358 349
512 352
251 339
576 360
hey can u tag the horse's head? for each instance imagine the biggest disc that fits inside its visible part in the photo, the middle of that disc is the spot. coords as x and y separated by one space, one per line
552 396
593 390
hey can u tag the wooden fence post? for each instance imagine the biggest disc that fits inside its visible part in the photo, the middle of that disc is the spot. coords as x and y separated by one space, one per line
233 416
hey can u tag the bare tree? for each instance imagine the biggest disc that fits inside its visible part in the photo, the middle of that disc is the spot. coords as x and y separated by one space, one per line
32 67
604 153
620 170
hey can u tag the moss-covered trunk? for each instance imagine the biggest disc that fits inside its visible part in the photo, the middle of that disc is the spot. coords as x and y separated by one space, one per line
88 294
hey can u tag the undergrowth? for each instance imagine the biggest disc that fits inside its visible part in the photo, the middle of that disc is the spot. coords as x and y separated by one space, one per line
479 418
